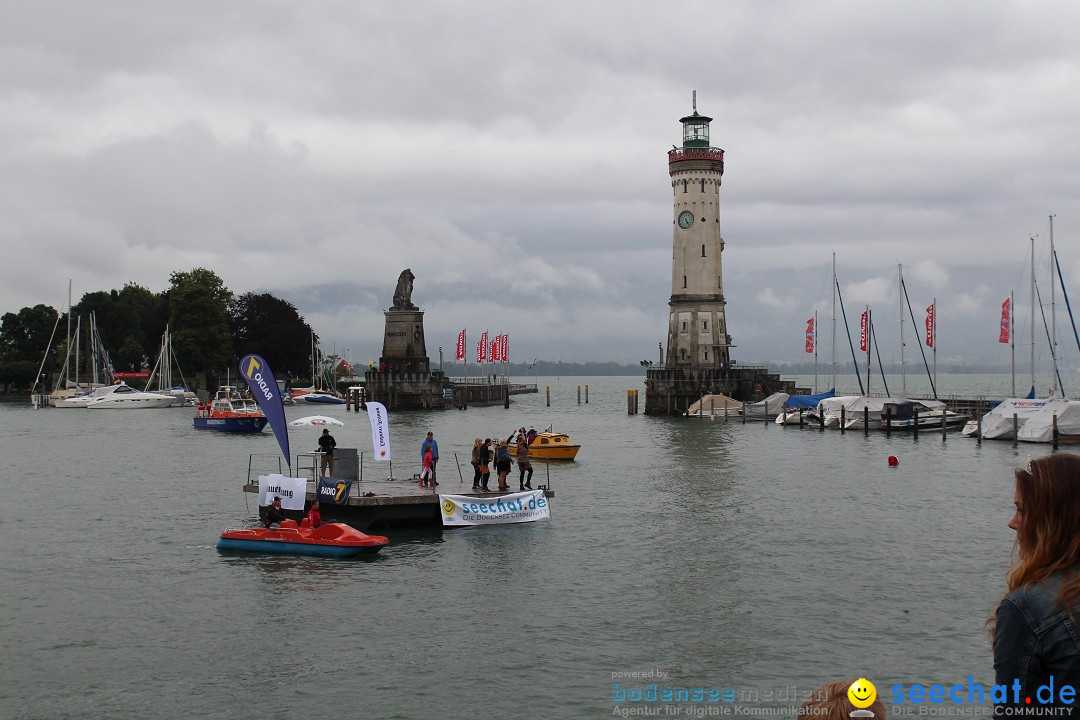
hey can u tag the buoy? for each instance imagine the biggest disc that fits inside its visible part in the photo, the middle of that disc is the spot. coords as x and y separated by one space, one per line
893 461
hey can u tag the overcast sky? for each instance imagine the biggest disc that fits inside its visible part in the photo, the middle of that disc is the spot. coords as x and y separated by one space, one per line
513 155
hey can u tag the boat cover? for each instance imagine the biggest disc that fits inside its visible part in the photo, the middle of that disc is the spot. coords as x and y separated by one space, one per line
807 402
1040 424
998 423
769 407
714 403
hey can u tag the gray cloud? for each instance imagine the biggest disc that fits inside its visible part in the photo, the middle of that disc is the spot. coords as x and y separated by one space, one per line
513 156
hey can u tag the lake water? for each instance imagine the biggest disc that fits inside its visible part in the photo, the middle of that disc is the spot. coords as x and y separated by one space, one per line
751 557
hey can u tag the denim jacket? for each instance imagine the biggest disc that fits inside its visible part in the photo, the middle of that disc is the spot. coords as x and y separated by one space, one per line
1035 639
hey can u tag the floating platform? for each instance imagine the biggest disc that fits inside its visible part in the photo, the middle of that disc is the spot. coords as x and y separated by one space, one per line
382 504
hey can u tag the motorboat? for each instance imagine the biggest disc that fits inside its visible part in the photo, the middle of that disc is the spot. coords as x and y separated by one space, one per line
329 540
549 445
124 397
315 397
230 412
770 407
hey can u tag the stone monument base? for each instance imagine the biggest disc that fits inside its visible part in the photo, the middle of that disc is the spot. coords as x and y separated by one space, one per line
671 390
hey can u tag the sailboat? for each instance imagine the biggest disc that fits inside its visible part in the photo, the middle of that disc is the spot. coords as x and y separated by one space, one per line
1031 419
316 394
163 374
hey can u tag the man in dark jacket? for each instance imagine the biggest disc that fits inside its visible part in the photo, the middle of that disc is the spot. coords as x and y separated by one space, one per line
274 514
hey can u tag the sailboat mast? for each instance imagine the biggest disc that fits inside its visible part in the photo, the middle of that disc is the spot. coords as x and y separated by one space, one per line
834 321
903 369
78 336
1053 314
67 355
1033 315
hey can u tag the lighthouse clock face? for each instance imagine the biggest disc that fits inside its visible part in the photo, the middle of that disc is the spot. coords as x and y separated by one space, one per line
686 219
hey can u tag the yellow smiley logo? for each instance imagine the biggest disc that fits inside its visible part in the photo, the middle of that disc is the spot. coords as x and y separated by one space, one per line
862 693
448 506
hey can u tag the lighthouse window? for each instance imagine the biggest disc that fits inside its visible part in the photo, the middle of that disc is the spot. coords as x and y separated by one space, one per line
684 281
706 354
684 326
702 186
703 250
684 183
704 325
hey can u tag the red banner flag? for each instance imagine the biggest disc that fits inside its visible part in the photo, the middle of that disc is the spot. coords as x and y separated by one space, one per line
506 348
1004 335
864 331
481 348
459 353
810 337
930 322
494 350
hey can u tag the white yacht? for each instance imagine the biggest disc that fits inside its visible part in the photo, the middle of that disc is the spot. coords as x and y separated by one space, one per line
125 397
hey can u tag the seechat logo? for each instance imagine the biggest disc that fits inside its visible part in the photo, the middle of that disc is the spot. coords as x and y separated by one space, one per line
862 695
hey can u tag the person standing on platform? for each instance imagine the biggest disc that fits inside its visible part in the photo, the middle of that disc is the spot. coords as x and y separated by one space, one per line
430 443
502 464
475 462
524 464
327 443
426 473
485 463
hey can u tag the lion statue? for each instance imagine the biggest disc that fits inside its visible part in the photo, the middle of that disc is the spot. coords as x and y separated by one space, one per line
403 293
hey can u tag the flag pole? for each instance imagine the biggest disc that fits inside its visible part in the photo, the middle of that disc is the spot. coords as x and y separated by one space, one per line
815 353
1012 346
465 360
868 318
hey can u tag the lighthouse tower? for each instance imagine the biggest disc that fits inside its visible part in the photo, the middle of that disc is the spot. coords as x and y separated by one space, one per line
697 328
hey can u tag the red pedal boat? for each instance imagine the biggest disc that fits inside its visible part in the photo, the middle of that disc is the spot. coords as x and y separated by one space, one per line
329 540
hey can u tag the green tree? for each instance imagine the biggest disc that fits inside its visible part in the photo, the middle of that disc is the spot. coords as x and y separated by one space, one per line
198 304
19 373
133 312
272 327
25 335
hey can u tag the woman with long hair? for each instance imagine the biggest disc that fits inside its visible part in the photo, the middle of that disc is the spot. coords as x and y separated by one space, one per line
1037 626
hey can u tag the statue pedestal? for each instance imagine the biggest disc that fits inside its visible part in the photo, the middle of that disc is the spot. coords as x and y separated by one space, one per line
404 348
403 379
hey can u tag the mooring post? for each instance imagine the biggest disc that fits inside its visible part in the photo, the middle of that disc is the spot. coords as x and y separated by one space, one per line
914 423
506 396
843 419
866 419
629 402
1055 443
743 412
943 424
587 394
888 423
578 394
1016 428
547 389
978 428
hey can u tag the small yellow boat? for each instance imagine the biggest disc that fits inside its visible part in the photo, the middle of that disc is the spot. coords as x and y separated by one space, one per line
549 446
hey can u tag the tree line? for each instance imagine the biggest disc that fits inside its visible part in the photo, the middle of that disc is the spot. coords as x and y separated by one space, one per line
210 327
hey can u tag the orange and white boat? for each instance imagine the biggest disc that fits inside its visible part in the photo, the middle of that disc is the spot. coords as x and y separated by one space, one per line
550 445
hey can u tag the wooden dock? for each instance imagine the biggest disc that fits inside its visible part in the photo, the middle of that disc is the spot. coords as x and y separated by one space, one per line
389 504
